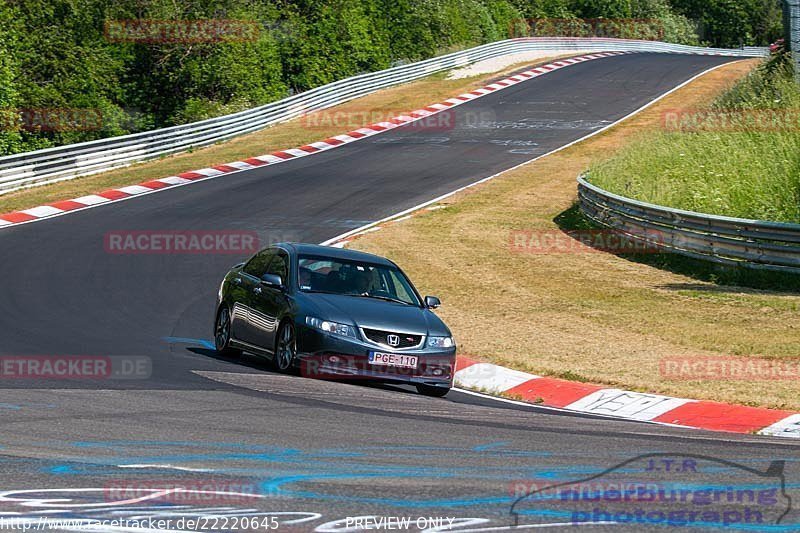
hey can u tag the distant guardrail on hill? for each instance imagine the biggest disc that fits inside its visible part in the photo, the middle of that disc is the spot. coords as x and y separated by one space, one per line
66 162
731 241
791 18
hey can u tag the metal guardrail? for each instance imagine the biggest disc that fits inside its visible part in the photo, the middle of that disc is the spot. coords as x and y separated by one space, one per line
731 241
65 162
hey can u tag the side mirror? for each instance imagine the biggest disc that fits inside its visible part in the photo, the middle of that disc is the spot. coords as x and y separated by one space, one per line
432 302
272 280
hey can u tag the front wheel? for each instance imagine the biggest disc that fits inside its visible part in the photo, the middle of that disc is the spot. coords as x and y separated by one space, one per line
433 391
222 334
286 348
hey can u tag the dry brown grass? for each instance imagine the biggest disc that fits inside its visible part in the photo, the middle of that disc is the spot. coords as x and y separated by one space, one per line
315 127
595 317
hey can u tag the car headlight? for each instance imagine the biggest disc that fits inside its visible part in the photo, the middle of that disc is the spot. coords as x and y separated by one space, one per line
343 330
440 342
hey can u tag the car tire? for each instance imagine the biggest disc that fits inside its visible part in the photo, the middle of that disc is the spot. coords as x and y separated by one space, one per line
285 348
433 391
222 333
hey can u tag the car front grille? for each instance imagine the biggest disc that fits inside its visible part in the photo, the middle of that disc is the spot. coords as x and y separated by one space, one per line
404 340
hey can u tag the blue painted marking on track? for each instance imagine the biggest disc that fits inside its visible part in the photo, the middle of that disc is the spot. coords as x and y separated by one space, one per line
490 446
22 405
296 473
193 342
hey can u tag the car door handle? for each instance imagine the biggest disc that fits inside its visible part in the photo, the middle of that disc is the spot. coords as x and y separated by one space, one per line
257 290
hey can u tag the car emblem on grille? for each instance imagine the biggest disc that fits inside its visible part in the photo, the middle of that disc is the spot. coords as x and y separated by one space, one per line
393 340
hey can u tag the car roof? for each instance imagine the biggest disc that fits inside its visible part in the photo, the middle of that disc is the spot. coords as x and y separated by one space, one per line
335 253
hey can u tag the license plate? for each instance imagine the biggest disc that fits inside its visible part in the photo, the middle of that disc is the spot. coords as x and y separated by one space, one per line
393 359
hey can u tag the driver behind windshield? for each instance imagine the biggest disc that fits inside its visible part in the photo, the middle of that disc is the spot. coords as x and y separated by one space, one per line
360 283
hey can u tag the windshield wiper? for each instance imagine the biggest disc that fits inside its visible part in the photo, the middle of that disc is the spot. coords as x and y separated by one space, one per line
386 298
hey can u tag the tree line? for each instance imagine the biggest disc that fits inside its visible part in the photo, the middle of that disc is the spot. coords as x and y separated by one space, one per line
87 69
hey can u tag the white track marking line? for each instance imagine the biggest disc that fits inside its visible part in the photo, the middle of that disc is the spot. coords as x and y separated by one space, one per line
208 172
42 211
269 158
491 377
91 199
241 165
296 152
167 467
321 145
134 189
174 180
789 427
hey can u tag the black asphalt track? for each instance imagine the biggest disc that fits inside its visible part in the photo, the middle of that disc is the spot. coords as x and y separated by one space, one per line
305 446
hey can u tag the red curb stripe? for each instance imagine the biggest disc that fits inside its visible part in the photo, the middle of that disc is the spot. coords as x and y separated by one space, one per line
476 93
255 162
334 142
225 168
463 362
553 392
356 134
113 194
722 417
191 176
282 155
17 217
67 205
155 184
377 127
431 109
399 121
309 148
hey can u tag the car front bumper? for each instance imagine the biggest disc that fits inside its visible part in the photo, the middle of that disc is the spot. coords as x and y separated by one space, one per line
326 356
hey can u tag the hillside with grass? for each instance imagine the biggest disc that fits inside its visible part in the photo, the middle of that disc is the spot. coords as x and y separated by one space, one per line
739 156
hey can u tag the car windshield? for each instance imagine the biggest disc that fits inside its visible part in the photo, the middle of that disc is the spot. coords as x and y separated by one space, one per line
354 278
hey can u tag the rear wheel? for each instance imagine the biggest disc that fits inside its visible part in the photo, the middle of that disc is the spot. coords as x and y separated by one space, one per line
222 334
433 391
286 348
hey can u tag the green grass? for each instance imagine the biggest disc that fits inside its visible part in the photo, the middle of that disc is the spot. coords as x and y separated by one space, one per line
741 171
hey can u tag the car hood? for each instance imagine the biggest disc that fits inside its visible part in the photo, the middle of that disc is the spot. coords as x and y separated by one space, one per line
378 314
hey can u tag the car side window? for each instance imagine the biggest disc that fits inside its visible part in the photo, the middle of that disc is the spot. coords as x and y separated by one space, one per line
257 266
279 266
